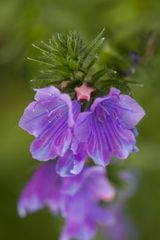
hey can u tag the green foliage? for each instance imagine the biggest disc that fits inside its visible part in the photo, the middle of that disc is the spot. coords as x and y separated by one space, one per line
66 57
67 61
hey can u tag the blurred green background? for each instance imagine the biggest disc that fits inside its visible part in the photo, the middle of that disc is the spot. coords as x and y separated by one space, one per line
130 25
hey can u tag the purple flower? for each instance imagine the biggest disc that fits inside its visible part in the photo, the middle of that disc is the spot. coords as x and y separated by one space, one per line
72 163
50 119
42 190
135 58
76 198
81 211
107 129
122 228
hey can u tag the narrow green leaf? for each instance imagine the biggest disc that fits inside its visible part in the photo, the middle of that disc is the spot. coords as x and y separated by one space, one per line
95 44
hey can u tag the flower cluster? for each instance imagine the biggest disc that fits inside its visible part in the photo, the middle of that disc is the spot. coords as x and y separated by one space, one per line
75 198
69 131
62 131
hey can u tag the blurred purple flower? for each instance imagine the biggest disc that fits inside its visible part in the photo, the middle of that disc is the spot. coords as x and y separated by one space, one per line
122 227
135 58
42 190
76 198
106 129
130 182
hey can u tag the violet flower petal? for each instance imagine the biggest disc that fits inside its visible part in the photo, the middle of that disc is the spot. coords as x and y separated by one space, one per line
42 190
72 164
107 129
49 119
74 230
100 187
122 227
73 197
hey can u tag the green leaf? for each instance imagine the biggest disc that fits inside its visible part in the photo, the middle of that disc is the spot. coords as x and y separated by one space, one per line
94 45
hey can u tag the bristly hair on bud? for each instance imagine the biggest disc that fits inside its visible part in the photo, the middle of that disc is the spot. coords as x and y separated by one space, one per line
65 57
68 62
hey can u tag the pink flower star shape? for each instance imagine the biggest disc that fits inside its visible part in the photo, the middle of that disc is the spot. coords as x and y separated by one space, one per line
84 92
